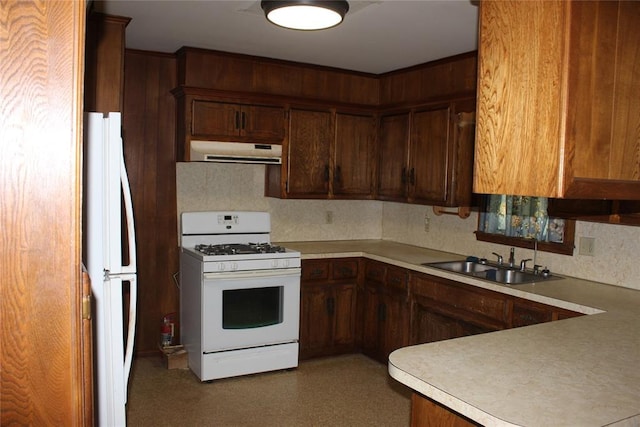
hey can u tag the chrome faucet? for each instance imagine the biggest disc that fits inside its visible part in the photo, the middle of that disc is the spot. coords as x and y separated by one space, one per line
512 257
523 264
499 257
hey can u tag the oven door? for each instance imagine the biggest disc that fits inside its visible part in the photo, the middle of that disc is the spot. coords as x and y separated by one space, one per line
250 309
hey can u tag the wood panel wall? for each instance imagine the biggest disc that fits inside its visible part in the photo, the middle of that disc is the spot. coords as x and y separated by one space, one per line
149 147
244 73
42 367
445 77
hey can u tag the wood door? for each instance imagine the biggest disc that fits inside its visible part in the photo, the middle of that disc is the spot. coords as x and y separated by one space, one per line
344 316
371 319
429 155
215 120
310 136
354 155
429 324
394 322
315 320
574 129
42 355
392 156
263 123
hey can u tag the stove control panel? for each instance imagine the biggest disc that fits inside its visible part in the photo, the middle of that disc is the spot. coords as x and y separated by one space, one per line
228 219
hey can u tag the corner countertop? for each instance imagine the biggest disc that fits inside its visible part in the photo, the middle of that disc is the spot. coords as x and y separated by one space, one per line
582 371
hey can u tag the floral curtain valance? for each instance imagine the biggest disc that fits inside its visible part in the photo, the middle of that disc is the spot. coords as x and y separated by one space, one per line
520 216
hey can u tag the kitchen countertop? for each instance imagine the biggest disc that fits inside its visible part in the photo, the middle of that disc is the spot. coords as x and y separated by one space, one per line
583 371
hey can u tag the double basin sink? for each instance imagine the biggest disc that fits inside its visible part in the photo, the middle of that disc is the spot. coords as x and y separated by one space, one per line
493 272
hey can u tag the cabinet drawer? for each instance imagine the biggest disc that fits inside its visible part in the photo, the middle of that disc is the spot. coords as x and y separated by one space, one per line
396 278
375 271
345 269
462 297
316 269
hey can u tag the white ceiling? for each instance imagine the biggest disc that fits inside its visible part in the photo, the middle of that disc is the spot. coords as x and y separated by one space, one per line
375 37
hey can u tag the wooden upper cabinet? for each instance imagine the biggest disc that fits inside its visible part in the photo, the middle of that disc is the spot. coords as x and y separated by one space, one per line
204 114
393 146
330 155
227 120
104 62
310 136
559 99
426 156
354 155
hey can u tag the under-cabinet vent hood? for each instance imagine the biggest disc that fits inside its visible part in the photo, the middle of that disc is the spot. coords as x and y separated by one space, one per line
235 152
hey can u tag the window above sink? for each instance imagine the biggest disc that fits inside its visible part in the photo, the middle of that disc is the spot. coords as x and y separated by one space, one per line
521 221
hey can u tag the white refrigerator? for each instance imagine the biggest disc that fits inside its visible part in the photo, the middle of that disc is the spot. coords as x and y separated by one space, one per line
108 208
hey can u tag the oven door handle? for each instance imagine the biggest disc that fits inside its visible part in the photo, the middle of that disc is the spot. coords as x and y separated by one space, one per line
233 275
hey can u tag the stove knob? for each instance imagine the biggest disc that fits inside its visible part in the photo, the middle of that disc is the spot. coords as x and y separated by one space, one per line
234 266
274 263
286 263
221 266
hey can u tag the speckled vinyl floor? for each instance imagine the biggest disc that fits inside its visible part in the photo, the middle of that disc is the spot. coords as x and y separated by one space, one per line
350 390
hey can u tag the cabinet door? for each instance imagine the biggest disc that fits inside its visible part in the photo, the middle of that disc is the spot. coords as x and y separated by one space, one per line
315 321
370 328
430 325
429 155
310 136
215 119
354 154
574 129
262 122
394 323
392 156
343 310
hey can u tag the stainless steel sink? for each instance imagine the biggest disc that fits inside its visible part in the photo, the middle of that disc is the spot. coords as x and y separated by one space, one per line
491 272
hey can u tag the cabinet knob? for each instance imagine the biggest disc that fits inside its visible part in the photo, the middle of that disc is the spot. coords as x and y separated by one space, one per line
412 176
403 176
326 173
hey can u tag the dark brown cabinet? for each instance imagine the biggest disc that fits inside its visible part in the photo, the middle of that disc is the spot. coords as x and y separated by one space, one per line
385 321
425 156
354 156
204 114
211 120
389 307
393 144
525 313
328 300
329 155
443 309
308 170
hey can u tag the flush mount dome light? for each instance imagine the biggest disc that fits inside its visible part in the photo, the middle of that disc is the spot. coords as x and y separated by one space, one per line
305 14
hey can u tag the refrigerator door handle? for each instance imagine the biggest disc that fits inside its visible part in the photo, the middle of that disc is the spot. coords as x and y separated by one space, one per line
128 355
128 209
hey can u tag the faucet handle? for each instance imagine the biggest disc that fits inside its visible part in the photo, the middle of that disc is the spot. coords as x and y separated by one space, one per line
523 264
499 257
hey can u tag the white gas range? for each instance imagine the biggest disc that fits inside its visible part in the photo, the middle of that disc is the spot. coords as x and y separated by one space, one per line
239 295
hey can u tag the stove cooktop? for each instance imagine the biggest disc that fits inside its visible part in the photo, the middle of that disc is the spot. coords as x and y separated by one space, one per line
239 249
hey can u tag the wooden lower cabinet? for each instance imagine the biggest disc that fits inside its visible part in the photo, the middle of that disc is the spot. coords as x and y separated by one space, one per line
386 310
352 304
442 309
427 413
328 298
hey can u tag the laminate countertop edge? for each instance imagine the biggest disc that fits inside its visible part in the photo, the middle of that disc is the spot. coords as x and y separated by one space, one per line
576 372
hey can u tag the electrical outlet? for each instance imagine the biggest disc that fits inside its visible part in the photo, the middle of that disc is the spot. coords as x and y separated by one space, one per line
328 217
426 223
587 246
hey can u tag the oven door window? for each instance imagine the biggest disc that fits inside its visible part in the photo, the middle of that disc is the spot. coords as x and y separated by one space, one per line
251 308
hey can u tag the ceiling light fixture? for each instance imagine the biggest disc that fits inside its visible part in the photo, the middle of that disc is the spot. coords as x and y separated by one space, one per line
305 14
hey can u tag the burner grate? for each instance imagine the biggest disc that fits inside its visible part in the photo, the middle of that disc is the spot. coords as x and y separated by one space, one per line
239 249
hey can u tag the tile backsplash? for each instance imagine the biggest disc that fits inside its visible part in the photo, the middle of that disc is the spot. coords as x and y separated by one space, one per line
220 186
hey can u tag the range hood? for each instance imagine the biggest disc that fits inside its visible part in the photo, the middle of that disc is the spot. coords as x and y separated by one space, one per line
235 152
